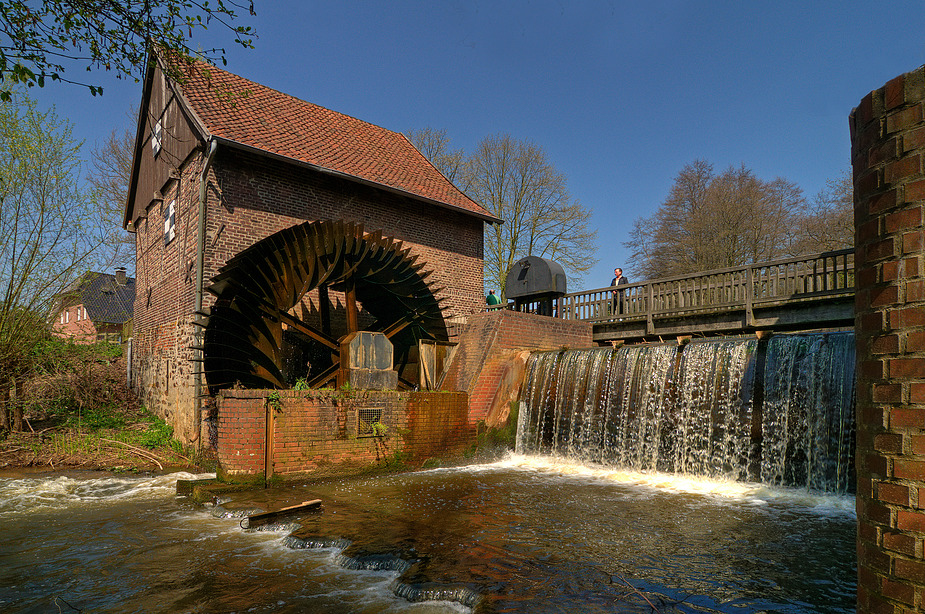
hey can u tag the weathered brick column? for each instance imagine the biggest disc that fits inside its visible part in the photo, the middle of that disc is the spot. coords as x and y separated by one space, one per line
887 150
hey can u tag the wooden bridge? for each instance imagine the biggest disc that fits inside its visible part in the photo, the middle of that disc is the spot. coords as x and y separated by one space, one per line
804 293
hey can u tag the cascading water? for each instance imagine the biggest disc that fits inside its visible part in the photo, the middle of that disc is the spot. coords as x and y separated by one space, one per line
779 411
808 420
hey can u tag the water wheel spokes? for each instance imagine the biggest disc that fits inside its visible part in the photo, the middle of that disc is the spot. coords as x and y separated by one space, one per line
283 305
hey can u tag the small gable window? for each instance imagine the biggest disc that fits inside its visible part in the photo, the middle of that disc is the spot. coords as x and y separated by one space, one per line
170 222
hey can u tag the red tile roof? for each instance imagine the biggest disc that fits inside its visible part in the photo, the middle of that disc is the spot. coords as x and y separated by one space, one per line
236 109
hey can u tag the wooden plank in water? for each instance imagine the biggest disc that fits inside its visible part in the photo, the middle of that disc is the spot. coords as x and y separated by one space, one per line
257 520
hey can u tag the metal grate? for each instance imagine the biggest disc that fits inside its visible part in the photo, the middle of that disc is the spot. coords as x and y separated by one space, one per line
369 421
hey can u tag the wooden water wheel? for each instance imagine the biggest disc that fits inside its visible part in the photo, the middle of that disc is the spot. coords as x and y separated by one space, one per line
283 304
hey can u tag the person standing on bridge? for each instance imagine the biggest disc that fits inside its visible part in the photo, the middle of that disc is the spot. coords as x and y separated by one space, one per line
492 299
618 280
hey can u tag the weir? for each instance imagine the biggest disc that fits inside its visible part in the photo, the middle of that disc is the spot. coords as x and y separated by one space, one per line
779 410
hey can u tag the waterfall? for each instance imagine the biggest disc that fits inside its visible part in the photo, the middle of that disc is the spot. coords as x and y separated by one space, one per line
808 421
778 411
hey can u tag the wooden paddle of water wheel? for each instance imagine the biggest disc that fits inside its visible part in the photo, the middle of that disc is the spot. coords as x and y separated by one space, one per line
283 304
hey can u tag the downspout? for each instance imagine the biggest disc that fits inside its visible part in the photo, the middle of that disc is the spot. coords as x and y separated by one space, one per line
200 273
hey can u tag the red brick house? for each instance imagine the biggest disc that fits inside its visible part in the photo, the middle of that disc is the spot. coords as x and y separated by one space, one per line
97 307
221 163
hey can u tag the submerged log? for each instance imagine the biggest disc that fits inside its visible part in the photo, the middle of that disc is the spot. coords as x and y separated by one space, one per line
257 520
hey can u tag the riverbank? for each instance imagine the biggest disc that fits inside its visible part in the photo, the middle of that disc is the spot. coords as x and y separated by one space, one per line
125 440
75 412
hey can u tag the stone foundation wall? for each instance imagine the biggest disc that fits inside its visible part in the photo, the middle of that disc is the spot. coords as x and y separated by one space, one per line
329 433
162 376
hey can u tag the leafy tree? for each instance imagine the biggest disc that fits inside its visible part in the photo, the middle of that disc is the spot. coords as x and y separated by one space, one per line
51 234
515 182
712 221
39 40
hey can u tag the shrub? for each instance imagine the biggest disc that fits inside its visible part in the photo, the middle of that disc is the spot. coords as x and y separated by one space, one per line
158 435
81 385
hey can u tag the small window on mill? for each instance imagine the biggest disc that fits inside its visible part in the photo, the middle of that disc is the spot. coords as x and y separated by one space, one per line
170 222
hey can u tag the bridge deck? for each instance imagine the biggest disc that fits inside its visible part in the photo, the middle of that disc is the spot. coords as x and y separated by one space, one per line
803 293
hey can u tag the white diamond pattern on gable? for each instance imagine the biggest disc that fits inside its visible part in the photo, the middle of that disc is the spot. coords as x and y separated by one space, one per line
156 138
170 222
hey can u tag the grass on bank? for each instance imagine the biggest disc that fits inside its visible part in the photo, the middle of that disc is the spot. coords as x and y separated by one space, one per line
79 413
102 440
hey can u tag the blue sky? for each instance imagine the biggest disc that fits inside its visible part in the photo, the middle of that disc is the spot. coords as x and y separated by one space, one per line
621 95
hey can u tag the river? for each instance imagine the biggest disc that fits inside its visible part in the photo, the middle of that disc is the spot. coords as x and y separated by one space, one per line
526 534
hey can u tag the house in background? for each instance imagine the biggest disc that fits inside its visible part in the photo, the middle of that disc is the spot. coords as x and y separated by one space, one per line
97 307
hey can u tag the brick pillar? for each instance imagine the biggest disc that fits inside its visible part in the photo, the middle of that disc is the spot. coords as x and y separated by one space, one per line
887 150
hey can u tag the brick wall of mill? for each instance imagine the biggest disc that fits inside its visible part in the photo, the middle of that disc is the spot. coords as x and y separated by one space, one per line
250 198
321 433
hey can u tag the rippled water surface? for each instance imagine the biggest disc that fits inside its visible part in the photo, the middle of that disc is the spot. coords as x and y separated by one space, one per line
525 535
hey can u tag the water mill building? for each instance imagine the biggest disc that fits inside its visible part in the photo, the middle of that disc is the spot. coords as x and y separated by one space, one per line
228 175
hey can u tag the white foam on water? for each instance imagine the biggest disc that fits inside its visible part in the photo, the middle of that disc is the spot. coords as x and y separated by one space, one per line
27 495
368 590
751 493
398 605
365 590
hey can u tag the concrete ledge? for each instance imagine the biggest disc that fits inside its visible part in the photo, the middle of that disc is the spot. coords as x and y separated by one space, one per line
488 364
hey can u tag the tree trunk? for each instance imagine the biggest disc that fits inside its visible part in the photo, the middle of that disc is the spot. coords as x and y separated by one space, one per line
4 406
17 405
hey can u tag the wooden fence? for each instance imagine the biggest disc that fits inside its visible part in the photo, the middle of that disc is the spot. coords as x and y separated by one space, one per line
809 278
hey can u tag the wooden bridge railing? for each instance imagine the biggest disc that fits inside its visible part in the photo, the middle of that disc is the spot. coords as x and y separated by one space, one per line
779 282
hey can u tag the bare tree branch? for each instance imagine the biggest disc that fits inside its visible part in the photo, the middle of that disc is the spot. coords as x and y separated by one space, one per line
109 181
714 221
435 145
827 222
515 182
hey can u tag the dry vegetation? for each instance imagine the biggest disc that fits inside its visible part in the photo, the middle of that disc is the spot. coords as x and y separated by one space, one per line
81 414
